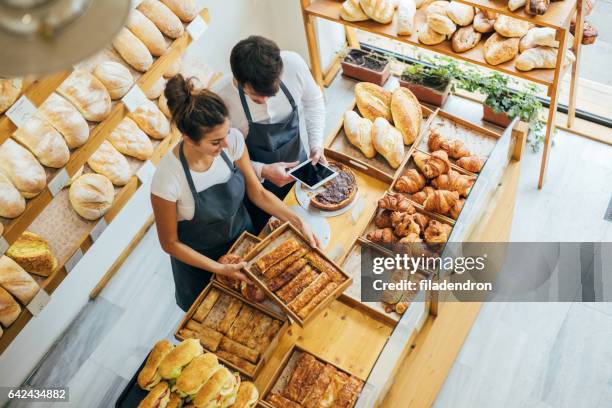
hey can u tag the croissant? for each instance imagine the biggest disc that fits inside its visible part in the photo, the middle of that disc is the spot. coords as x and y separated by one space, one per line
422 220
454 212
437 232
471 163
410 182
441 201
434 165
384 236
453 147
383 219
404 224
422 195
396 202
454 181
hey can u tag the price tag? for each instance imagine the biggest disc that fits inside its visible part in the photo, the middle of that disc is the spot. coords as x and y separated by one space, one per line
21 111
197 27
59 182
98 229
39 302
145 172
74 260
134 98
3 246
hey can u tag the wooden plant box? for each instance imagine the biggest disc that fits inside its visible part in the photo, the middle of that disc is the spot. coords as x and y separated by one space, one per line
277 237
426 94
265 355
500 119
362 73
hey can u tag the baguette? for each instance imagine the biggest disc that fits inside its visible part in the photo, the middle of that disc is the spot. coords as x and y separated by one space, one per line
297 285
151 120
276 255
318 299
87 94
156 90
162 17
9 308
309 293
15 280
132 50
66 119
291 272
115 77
239 350
186 10
128 139
407 114
240 363
270 273
43 141
206 305
147 32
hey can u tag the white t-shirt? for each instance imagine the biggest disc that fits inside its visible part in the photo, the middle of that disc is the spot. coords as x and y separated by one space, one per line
170 182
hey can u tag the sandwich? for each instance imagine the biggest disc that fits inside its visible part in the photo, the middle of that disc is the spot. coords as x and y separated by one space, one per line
216 390
148 376
247 396
196 374
174 362
158 397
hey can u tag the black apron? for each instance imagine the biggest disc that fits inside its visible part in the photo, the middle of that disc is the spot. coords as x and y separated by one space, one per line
272 143
219 218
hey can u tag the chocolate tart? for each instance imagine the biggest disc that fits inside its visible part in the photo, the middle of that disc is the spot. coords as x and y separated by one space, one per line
338 192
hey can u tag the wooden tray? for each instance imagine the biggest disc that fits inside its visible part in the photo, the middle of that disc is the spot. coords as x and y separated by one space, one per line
277 237
265 356
339 148
285 369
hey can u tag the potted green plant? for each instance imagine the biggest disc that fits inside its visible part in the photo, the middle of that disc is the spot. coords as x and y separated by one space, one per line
366 66
430 83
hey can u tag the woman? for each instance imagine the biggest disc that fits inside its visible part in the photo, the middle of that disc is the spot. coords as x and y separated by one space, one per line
198 190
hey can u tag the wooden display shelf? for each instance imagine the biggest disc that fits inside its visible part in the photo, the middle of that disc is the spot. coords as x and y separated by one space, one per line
330 10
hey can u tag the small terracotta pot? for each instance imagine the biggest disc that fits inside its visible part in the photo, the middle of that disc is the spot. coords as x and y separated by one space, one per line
427 95
365 74
500 119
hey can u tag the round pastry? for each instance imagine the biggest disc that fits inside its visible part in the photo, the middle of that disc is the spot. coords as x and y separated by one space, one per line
465 39
338 192
91 195
428 36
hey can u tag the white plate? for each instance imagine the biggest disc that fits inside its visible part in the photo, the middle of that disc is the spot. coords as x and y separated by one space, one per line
303 194
318 225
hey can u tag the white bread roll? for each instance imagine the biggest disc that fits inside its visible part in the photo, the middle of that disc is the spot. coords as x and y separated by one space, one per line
544 36
538 57
147 32
162 104
151 120
511 27
358 131
462 14
132 50
441 23
498 49
407 114
465 39
91 195
22 168
44 141
117 79
428 36
405 17
167 22
64 117
380 11
110 163
10 89
130 140
156 89
482 23
186 10
15 280
173 68
12 204
352 11
388 142
87 94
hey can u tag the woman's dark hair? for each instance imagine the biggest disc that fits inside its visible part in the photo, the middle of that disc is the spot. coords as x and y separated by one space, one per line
194 111
257 61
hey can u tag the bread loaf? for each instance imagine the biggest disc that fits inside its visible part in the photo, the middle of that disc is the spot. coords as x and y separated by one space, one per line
405 17
358 131
515 4
437 7
147 32
373 101
130 140
407 114
461 14
44 141
91 195
162 104
544 36
351 11
64 117
32 253
132 50
9 308
15 280
10 89
87 94
186 10
379 10
149 118
511 27
22 169
388 142
75 176
173 68
482 23
167 22
156 89
538 57
115 77
465 39
12 204
498 49
110 163
428 36
441 23
423 3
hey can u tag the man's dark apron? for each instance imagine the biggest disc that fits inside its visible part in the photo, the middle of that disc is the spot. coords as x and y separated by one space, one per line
272 143
219 218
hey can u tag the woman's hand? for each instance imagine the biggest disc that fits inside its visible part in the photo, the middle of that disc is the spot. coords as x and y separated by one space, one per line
234 271
307 232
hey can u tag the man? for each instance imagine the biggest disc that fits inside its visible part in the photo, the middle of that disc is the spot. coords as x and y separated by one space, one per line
264 97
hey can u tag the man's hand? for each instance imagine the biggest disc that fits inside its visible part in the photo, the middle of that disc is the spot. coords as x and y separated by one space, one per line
276 173
318 156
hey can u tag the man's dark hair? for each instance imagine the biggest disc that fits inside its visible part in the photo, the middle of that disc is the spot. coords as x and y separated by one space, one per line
257 61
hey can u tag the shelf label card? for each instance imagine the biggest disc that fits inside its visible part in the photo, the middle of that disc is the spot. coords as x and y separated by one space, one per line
59 182
134 98
21 111
4 245
98 229
197 27
74 260
145 172
38 303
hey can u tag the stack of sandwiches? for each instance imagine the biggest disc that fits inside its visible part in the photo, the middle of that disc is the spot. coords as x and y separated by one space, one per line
185 376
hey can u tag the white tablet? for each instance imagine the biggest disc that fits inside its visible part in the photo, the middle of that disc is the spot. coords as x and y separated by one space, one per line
312 176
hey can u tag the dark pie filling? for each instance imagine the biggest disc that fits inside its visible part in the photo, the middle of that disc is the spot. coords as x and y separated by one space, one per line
338 189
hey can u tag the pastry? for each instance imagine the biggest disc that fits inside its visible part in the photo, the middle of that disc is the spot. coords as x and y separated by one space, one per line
538 57
511 27
437 232
456 210
196 374
347 395
461 14
514 5
278 401
310 379
17 281
471 163
12 203
379 10
91 195
110 163
318 299
206 305
239 350
43 141
309 293
407 114
270 273
321 264
10 89
383 219
173 363
422 220
238 362
132 50
404 224
115 77
441 24
544 36
388 141
252 292
352 11
276 255
243 335
167 22
338 380
66 119
241 322
22 169
303 365
358 131
428 36
454 181
482 23
32 253
9 308
186 10
338 192
291 272
247 395
87 94
319 387
422 195
410 182
406 11
149 118
536 7
128 139
297 285
147 32
396 202
441 201
498 49
465 39
455 148
373 101
432 165
383 236
157 397
230 315
589 32
148 377
216 314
